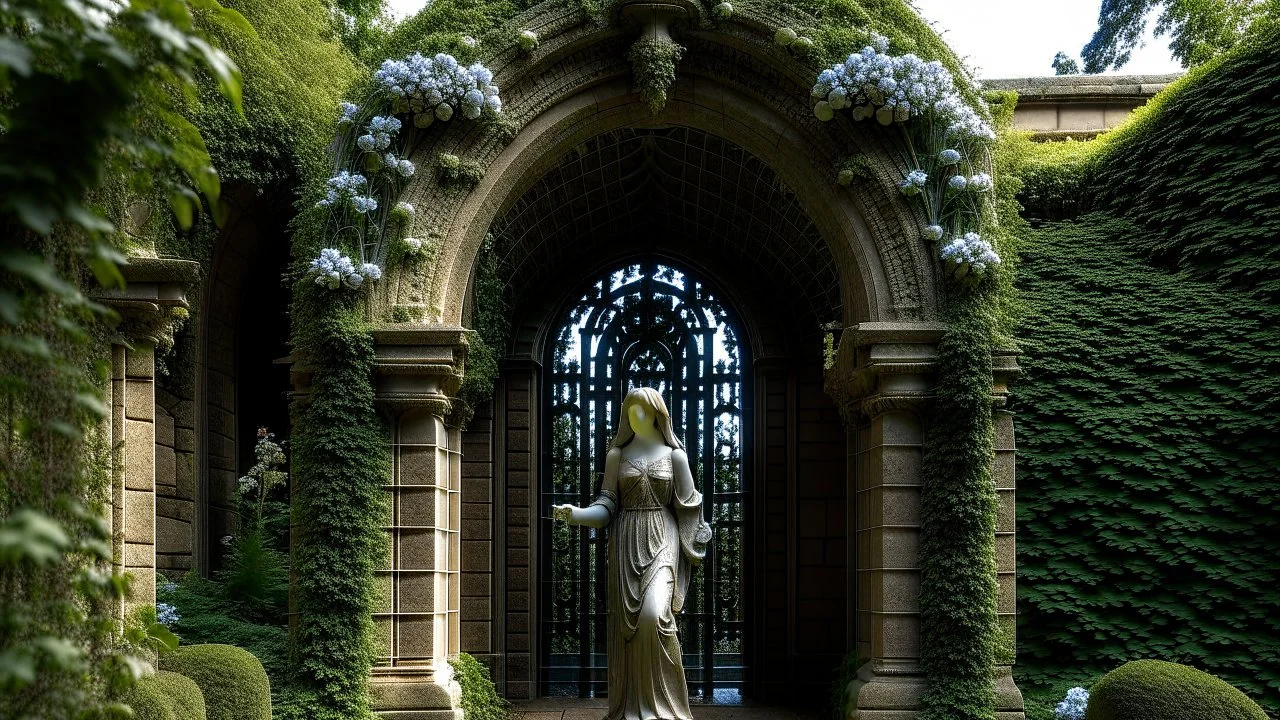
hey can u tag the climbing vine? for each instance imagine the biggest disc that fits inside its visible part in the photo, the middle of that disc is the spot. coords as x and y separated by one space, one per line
653 62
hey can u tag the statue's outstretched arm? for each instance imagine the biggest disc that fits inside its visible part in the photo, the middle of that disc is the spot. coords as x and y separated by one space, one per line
599 513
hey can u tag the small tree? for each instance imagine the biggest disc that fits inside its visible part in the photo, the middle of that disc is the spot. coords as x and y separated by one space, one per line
1064 64
1198 29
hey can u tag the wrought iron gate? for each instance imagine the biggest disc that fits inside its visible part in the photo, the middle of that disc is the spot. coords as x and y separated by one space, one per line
647 324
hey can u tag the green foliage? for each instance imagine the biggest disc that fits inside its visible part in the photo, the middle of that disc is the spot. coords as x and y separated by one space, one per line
480 699
1041 701
441 26
209 614
492 323
1148 413
453 171
958 519
1198 29
653 63
166 696
234 684
295 72
1156 690
60 654
339 465
1064 64
143 630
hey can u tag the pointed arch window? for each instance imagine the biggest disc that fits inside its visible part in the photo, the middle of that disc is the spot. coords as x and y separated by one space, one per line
646 324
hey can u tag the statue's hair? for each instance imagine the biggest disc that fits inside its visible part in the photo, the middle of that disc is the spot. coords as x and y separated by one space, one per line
661 420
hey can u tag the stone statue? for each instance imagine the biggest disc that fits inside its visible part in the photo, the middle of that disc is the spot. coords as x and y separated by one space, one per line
656 537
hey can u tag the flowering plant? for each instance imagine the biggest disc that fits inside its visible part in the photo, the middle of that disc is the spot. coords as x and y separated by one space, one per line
265 473
947 143
1073 706
371 160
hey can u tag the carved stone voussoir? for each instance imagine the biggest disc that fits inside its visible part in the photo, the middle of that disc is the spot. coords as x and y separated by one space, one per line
419 366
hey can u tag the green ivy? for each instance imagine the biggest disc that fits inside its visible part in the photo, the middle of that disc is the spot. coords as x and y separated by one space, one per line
480 700
1151 402
340 463
653 62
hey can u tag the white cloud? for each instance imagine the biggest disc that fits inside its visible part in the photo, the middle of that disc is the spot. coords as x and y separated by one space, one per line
1003 38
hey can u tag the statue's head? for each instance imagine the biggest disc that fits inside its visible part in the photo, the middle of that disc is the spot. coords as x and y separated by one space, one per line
644 408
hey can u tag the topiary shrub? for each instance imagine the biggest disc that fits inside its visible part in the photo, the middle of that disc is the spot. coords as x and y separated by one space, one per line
166 696
1158 690
480 699
234 684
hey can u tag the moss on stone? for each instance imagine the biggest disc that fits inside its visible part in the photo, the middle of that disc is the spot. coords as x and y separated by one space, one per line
233 682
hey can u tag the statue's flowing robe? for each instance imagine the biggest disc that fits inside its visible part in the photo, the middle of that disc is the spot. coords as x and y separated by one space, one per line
655 540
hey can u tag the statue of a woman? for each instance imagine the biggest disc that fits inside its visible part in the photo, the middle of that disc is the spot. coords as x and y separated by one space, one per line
656 537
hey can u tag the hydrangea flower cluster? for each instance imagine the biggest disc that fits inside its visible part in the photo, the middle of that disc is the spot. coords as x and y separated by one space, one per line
333 270
895 88
440 85
1073 706
913 183
971 250
349 187
381 129
981 182
402 167
167 614
347 112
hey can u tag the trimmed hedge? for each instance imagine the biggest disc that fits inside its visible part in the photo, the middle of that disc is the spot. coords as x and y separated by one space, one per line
234 684
166 696
1158 690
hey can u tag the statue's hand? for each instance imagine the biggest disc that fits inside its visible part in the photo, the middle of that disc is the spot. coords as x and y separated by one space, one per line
563 513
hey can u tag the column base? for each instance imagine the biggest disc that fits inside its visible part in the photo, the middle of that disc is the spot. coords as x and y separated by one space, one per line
891 691
411 695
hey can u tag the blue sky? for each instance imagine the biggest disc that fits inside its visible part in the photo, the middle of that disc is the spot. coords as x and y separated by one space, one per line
1006 38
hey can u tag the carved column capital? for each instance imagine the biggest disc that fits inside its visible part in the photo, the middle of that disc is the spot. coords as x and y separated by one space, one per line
154 287
420 366
882 367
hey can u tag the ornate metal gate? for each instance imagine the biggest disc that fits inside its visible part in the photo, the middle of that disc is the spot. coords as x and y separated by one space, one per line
644 324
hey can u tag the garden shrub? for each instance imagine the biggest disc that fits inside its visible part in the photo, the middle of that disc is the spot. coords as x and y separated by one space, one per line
480 700
1158 690
166 696
234 684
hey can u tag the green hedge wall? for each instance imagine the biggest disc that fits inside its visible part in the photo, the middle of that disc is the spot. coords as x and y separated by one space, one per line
1150 411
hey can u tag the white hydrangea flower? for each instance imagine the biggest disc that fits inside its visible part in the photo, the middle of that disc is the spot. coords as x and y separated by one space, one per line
957 182
371 271
405 168
949 156
913 183
412 246
1073 706
981 182
342 187
933 232
440 83
348 113
971 250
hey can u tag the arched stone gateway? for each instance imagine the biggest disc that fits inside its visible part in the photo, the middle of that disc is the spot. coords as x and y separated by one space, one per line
734 179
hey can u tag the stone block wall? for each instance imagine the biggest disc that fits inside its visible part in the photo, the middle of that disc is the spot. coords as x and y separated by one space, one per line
175 482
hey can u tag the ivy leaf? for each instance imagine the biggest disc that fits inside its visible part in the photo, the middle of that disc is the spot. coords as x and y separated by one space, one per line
28 536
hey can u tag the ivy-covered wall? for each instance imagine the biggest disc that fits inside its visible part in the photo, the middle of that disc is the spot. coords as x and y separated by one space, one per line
1149 414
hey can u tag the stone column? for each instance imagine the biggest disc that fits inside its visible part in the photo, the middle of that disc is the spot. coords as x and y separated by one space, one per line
155 288
883 381
418 370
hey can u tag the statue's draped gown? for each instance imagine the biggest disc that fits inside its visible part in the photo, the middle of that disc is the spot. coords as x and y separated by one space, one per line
654 543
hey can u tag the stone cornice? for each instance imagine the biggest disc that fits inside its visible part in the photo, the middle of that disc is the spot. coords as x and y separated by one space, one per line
153 287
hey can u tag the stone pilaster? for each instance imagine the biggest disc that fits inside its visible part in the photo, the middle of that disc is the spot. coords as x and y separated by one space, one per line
418 370
883 381
145 306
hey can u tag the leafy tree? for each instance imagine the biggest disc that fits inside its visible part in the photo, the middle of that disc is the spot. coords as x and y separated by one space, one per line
1198 29
88 98
1065 65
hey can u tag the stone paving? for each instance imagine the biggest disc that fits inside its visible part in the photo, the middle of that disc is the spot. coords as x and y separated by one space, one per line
594 709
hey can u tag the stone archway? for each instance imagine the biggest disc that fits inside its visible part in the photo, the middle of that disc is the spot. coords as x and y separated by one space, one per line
451 496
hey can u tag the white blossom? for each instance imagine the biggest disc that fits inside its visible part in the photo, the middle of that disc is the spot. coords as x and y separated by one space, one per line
971 250
933 232
913 183
442 84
